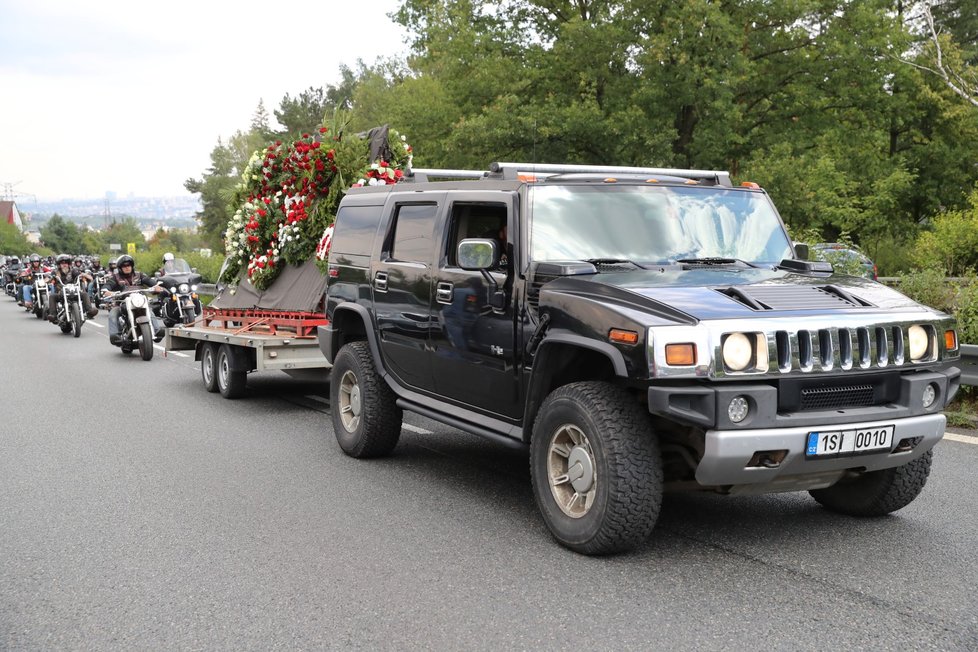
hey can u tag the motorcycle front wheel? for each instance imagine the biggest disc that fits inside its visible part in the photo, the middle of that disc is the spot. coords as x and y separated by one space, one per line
145 342
76 320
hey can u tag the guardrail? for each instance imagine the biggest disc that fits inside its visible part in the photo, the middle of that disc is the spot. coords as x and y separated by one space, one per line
207 288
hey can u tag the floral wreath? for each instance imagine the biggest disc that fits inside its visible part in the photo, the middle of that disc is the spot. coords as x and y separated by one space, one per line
288 195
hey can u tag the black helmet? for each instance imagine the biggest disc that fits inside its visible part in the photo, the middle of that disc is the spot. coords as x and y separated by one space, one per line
63 258
125 259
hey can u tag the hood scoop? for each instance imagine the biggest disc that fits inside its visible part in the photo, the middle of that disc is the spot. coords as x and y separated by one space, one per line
794 297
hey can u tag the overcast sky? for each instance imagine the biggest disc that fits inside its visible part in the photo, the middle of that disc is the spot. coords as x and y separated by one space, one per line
131 97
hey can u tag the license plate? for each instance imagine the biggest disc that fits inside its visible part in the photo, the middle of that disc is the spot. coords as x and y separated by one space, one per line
842 443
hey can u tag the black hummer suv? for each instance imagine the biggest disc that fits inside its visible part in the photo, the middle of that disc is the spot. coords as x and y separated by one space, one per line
642 330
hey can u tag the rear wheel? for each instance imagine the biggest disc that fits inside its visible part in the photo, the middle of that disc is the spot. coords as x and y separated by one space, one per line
366 419
145 342
876 493
230 383
76 319
208 366
596 468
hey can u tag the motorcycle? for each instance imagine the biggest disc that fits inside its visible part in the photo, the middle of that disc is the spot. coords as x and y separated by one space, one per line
180 305
40 306
70 315
95 291
135 325
11 280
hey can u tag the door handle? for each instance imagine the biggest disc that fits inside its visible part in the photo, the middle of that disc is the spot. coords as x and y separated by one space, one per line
443 292
380 281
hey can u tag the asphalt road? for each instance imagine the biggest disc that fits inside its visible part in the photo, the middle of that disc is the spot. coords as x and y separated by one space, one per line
139 512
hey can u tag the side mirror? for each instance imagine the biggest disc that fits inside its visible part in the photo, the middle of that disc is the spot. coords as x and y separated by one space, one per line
477 254
193 270
801 251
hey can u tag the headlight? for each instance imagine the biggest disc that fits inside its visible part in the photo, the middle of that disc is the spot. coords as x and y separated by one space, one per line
137 300
184 288
737 351
193 288
919 342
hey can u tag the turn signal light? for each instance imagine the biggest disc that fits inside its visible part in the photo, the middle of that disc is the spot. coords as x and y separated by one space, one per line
527 178
623 337
950 340
750 184
681 355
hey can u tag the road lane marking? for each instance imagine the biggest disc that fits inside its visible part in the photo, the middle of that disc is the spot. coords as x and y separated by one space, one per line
420 431
182 355
95 324
964 439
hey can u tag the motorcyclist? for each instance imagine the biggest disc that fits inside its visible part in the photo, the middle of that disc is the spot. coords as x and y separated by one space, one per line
127 278
94 269
66 273
34 267
167 258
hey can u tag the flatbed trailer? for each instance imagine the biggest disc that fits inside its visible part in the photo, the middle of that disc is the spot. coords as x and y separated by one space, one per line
230 343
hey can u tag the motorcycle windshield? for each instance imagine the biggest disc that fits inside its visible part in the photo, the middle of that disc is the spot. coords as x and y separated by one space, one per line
176 266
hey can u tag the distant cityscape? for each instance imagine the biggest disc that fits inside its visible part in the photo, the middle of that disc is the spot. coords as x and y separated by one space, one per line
151 212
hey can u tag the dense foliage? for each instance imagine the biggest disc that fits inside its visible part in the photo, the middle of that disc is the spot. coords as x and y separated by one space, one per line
835 107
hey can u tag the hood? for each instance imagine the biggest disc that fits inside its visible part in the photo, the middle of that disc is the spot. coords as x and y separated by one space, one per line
691 295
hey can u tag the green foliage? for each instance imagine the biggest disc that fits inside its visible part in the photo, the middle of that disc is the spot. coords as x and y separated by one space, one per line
928 286
952 242
149 262
967 313
12 241
62 236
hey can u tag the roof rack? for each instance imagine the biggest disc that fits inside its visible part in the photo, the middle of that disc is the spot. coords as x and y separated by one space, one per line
719 177
423 174
506 170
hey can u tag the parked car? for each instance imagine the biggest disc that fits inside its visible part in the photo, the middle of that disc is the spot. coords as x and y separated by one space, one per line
847 259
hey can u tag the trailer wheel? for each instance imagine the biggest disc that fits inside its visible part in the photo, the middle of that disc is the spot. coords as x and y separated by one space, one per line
230 383
208 366
366 420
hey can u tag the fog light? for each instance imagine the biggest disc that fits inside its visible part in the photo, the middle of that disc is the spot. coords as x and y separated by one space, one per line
738 409
930 395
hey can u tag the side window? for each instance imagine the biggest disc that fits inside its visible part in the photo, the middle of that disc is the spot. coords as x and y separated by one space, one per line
475 220
412 238
356 227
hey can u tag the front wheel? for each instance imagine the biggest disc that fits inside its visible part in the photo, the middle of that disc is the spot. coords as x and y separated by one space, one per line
366 419
596 468
208 366
145 342
876 493
76 319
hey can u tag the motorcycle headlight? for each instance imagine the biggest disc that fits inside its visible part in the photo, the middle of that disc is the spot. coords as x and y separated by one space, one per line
193 288
138 300
184 288
173 290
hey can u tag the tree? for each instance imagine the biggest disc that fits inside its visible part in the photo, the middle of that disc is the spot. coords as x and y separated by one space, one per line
62 235
124 232
12 241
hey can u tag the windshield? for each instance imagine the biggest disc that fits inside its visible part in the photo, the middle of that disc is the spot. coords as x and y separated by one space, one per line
654 224
176 266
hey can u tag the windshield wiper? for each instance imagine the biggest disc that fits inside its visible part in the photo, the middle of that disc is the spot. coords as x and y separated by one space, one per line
612 261
717 261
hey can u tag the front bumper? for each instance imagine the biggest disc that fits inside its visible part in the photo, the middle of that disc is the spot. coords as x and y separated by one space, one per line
728 455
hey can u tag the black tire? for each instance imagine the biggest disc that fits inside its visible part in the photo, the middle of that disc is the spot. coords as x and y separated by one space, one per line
65 328
366 420
208 366
230 383
76 319
598 426
38 310
877 493
145 342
